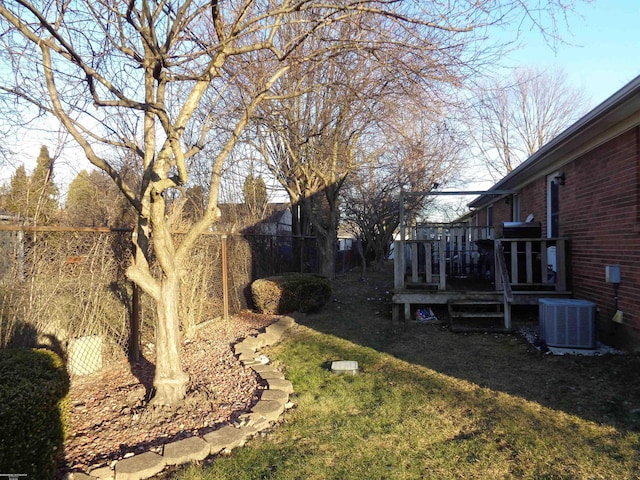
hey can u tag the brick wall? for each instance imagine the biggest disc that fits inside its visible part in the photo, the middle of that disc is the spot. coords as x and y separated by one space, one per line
533 200
599 213
502 212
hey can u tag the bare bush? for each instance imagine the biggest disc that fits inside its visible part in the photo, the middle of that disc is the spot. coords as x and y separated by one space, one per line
60 285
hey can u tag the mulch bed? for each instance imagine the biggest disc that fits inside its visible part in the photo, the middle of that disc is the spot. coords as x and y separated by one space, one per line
110 415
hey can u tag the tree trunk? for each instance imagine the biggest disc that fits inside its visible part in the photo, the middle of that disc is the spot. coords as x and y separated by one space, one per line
327 254
170 381
327 236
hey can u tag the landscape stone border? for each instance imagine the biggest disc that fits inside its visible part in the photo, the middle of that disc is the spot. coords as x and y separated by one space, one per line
272 403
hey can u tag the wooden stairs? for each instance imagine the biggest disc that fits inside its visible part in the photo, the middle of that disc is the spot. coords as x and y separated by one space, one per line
477 315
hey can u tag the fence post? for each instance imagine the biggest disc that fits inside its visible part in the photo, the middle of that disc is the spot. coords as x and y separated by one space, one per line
225 285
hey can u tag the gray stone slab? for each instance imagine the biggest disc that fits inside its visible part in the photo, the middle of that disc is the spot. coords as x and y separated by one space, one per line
247 357
103 473
269 409
186 450
259 341
287 321
278 395
259 369
78 476
269 338
251 343
271 374
345 366
225 438
140 466
276 329
256 423
279 384
240 349
251 362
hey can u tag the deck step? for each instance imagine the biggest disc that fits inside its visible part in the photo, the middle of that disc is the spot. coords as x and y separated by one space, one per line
476 315
473 302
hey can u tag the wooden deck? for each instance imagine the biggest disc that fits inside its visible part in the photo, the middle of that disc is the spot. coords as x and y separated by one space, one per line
464 267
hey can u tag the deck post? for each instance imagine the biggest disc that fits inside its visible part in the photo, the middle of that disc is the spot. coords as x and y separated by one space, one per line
415 248
460 255
514 262
497 273
395 313
561 283
428 262
398 264
529 261
507 314
544 266
442 285
398 276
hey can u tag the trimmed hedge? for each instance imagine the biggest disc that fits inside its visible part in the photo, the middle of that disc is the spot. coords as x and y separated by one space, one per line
291 292
34 411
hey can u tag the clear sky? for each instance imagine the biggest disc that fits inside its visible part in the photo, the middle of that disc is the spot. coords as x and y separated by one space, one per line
601 52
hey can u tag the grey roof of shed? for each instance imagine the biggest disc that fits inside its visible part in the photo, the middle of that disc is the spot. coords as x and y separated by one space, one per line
617 114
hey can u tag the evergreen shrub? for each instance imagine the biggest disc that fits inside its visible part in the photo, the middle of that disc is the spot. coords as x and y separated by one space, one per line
291 292
34 408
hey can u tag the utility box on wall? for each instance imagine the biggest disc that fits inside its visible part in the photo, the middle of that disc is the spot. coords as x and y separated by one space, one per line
568 323
612 274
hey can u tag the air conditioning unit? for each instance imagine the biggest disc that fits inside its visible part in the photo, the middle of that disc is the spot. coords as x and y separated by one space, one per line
567 323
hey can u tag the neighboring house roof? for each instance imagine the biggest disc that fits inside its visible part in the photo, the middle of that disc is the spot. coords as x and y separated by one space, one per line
616 115
275 212
239 216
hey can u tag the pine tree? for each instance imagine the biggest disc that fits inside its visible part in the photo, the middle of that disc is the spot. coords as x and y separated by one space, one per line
44 207
255 193
17 198
94 201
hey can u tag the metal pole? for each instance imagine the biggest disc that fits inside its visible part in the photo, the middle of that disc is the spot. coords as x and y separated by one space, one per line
402 217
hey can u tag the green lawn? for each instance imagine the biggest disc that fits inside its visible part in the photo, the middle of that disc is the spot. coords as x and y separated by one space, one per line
431 404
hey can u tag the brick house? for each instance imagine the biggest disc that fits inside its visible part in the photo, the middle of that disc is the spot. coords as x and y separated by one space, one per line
584 186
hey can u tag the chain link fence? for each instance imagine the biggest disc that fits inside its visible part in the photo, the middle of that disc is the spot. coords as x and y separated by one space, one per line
67 288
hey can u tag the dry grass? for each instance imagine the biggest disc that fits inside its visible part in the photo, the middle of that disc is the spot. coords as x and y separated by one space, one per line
429 403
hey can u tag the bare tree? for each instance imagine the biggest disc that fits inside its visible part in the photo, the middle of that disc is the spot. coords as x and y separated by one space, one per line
513 118
316 131
308 142
164 82
419 152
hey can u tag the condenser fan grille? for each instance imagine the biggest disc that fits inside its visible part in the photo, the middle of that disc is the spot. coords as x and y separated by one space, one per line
567 323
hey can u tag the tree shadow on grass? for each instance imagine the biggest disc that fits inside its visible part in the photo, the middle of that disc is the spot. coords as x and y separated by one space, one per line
601 389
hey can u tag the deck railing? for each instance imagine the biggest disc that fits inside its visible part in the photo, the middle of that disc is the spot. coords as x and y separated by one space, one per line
433 255
502 272
533 263
435 251
420 263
